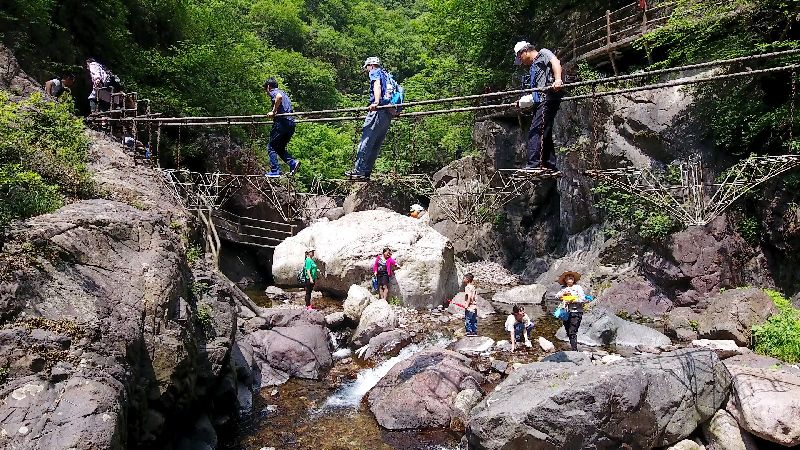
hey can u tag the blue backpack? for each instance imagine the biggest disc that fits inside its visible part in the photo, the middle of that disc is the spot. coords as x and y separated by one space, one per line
393 95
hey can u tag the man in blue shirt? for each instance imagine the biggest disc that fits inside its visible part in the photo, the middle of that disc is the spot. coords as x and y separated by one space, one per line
282 129
376 125
545 74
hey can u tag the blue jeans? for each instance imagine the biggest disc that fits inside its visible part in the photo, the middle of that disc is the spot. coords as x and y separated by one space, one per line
471 322
282 131
520 332
376 125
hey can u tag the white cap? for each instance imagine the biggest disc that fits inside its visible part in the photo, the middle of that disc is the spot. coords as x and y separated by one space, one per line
309 249
517 48
417 207
372 60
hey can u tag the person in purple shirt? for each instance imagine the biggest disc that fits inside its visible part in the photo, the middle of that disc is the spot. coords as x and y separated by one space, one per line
383 268
282 129
376 125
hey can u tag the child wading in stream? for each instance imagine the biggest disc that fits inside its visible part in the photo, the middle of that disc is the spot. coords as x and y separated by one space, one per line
573 298
519 326
470 305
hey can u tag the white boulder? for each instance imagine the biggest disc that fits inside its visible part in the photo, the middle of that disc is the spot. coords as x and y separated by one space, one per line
376 318
546 345
358 298
530 296
346 249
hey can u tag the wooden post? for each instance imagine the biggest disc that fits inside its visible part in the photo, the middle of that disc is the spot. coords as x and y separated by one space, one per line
608 43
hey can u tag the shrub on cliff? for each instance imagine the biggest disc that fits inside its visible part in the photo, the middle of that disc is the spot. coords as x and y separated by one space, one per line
42 157
779 336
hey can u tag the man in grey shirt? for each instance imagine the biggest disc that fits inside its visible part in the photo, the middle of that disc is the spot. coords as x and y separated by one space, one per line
545 73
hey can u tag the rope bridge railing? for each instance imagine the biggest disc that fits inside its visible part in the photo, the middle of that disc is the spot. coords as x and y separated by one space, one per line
691 200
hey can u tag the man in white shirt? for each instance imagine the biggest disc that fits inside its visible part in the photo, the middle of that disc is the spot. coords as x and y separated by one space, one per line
100 80
519 326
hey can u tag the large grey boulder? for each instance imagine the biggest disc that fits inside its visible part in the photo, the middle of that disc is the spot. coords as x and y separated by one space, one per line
420 391
346 249
682 324
285 317
300 351
531 296
723 432
376 318
766 401
635 295
472 345
641 402
732 313
601 327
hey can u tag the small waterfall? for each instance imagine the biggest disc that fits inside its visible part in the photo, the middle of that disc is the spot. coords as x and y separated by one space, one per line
350 395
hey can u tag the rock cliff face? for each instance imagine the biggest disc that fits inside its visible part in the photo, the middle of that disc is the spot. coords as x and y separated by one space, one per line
109 337
555 226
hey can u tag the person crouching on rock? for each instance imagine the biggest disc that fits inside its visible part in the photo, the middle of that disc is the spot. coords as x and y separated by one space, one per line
311 276
519 326
573 298
471 306
383 269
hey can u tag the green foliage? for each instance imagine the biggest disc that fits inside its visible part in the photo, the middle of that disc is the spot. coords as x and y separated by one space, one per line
634 214
750 229
745 115
198 288
193 254
3 375
24 194
204 317
395 301
779 336
42 157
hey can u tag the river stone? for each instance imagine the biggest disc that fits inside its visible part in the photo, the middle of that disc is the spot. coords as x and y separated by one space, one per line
601 327
472 345
276 295
686 444
300 351
530 296
546 345
335 320
766 402
642 402
286 317
732 313
635 295
681 324
346 249
724 348
420 391
568 356
456 306
377 317
387 343
723 432
462 405
358 298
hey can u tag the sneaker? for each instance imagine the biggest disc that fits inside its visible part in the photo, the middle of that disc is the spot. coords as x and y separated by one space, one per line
293 165
309 308
353 175
273 174
528 344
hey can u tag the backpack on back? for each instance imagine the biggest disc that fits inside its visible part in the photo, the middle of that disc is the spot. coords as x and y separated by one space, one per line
394 94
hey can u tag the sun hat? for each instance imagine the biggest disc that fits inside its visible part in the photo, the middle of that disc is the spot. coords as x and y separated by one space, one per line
309 249
371 60
416 207
562 280
519 46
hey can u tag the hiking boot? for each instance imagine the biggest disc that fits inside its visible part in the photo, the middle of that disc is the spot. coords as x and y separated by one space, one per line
273 174
293 165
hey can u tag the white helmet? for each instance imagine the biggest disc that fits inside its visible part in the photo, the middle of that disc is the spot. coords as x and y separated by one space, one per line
372 60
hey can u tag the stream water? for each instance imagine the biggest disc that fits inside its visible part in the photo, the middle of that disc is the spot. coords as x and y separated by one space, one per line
333 415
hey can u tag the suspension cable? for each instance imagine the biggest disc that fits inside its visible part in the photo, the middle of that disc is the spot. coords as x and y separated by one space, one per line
600 81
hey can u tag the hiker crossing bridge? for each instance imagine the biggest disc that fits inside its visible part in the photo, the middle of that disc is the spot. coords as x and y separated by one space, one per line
690 200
